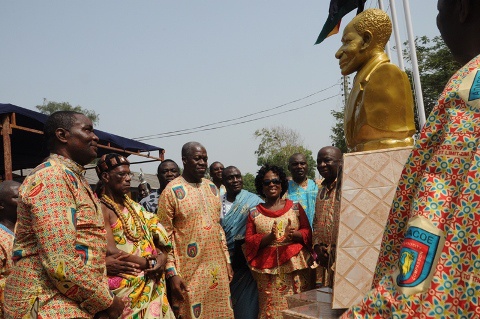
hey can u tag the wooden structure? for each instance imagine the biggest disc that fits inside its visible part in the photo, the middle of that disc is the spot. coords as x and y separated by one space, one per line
24 147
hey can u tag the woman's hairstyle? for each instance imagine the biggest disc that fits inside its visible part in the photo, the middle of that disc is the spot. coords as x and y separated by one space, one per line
261 175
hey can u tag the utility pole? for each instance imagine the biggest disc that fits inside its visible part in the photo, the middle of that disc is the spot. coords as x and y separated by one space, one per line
345 90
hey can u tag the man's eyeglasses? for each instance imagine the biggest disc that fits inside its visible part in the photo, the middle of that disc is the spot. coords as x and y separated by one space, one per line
124 175
275 181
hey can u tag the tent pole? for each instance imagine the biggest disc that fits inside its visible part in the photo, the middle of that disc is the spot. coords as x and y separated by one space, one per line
7 147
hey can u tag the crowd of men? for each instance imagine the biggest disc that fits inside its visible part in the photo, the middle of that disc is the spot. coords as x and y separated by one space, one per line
181 252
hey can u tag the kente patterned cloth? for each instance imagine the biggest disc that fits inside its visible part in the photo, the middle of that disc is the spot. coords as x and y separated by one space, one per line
243 287
325 229
304 196
60 246
144 297
6 246
190 214
429 265
283 267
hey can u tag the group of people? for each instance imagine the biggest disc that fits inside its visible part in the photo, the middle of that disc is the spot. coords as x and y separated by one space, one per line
191 251
195 248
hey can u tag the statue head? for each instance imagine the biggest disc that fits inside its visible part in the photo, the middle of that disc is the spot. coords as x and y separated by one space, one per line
363 38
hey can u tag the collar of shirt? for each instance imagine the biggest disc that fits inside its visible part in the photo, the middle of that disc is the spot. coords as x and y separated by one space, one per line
70 164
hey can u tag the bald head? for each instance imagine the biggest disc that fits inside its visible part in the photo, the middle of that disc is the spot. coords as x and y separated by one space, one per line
233 181
195 162
333 150
329 162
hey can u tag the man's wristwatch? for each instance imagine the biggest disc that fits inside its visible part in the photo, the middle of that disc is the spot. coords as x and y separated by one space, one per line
151 261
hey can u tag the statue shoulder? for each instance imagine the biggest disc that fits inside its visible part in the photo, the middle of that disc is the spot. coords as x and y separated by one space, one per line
389 75
390 70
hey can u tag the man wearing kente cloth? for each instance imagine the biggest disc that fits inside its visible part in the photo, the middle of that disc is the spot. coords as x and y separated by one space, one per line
137 233
379 110
236 205
428 265
198 268
301 189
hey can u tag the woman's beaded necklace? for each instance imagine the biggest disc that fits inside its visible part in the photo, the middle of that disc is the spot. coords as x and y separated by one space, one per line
136 219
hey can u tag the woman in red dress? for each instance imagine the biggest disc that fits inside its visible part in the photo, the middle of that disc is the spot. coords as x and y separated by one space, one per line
278 242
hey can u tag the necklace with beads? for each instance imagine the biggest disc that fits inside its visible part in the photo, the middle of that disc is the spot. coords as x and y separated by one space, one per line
224 206
136 219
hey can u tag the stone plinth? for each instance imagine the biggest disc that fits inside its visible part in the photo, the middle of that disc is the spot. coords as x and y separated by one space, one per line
316 303
369 183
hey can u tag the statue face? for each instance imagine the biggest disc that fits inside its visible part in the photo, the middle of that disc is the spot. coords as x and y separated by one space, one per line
351 54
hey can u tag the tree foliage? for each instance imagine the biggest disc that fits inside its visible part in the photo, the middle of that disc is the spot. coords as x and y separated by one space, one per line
277 144
436 66
338 133
49 107
249 183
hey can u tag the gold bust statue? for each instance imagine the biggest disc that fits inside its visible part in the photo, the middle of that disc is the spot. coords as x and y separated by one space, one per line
379 110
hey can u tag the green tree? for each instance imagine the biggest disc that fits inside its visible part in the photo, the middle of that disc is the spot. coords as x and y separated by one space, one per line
277 144
249 183
436 66
338 134
49 107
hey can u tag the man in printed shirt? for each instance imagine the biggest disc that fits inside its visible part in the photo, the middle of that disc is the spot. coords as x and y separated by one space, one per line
327 213
428 266
60 242
198 269
8 218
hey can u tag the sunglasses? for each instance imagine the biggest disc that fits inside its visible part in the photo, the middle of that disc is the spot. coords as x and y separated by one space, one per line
275 181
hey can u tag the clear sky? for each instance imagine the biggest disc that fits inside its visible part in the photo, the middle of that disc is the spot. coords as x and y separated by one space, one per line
149 67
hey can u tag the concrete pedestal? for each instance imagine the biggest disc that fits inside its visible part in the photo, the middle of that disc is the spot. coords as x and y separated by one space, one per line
316 303
369 183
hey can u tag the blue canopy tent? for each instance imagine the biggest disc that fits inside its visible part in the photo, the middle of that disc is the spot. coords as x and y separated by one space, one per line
24 147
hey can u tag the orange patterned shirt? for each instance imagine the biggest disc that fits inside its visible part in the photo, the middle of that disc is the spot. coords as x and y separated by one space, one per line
190 214
6 244
60 246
